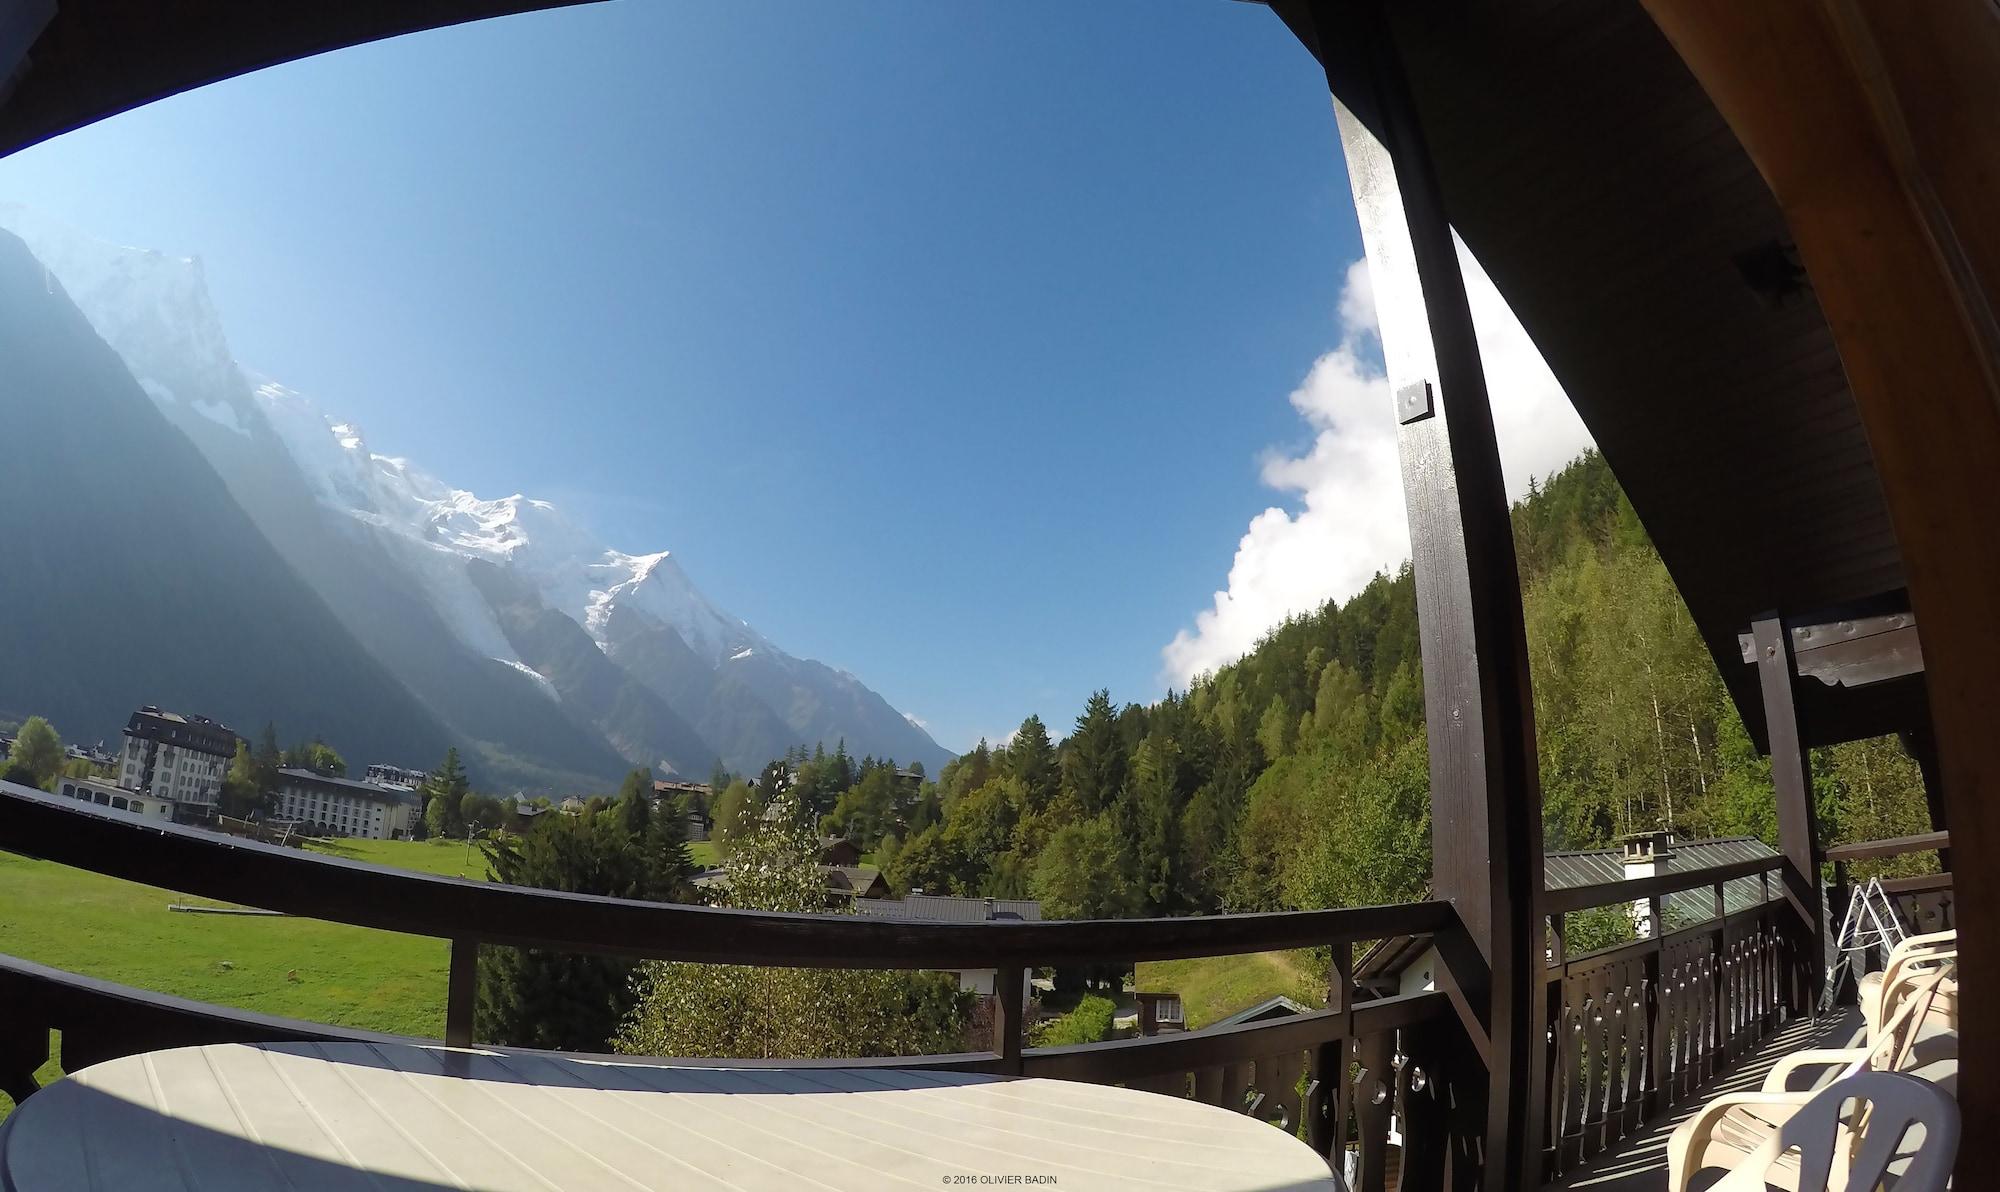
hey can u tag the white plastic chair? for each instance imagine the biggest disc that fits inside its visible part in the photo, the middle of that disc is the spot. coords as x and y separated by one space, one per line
1833 1154
1735 1125
1879 991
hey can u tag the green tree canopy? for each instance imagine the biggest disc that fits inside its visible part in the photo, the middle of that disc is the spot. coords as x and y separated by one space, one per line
319 757
37 755
1094 760
635 801
740 1012
562 1000
443 794
735 811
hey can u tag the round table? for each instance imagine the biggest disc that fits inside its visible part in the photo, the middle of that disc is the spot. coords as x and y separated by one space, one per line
354 1115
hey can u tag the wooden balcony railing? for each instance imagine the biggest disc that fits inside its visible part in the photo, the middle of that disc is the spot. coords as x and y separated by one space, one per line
1336 1076
1633 1029
1636 1028
1923 901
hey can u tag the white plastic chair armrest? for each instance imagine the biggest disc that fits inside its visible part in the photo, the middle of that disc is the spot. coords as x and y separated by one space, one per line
1815 1057
1691 1137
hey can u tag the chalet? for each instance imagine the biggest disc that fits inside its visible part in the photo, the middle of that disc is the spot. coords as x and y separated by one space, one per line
1160 1013
696 798
855 881
1409 964
938 908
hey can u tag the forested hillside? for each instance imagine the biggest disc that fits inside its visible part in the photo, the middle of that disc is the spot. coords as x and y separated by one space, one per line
1297 777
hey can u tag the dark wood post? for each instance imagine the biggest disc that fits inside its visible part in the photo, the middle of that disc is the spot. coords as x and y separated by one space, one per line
1486 803
1007 1014
461 993
1798 821
24 1047
1325 1109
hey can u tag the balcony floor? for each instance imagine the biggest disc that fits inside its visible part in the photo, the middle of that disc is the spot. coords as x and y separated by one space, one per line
1639 1163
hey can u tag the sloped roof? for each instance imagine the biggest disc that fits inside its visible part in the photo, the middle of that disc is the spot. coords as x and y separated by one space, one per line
1592 867
365 790
854 879
942 908
1568 870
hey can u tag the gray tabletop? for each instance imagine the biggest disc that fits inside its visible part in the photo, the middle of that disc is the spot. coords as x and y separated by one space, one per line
354 1115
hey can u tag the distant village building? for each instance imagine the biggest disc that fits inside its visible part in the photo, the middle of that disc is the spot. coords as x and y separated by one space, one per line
1407 964
97 755
397 776
345 807
855 881
838 850
938 908
180 759
106 793
695 798
1160 1013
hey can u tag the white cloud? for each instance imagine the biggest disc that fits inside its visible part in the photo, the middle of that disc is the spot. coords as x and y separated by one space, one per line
1348 519
917 720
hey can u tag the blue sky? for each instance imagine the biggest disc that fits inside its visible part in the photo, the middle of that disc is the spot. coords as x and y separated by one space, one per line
947 343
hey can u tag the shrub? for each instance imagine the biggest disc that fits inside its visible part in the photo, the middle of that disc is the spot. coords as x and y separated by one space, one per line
1090 1022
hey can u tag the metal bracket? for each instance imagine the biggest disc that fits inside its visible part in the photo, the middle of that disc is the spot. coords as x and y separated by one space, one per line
1854 652
1415 402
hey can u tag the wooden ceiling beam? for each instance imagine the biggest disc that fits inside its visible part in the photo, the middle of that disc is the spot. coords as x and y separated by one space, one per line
1876 124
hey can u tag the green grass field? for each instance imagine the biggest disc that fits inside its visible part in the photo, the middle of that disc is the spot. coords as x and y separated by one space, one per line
1214 987
299 968
704 853
447 858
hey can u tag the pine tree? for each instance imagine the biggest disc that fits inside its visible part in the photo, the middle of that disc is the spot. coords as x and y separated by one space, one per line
269 757
1156 844
635 802
560 1000
444 795
1094 757
1032 761
669 865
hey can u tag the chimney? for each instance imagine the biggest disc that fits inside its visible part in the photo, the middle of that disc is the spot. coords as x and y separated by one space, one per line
1647 854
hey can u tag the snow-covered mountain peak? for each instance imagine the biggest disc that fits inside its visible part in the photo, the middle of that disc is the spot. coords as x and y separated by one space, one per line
574 571
153 309
393 547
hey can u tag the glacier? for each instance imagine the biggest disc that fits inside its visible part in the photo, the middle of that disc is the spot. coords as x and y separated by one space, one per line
279 450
